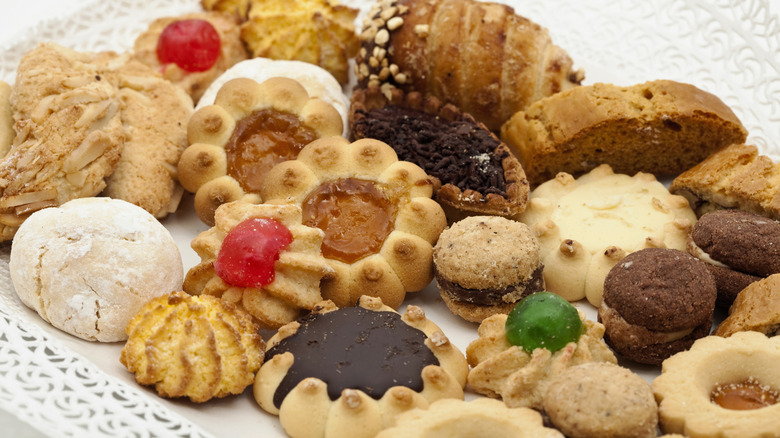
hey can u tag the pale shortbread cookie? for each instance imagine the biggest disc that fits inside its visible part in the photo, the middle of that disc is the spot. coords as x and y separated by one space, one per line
316 80
6 119
500 369
689 378
87 266
586 225
452 418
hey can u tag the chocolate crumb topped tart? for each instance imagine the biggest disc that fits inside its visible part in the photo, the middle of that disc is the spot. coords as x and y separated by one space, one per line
476 173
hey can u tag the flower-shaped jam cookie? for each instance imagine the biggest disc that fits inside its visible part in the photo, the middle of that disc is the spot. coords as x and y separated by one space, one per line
250 128
379 220
261 258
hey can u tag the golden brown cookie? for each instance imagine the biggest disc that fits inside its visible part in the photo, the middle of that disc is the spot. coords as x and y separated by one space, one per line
756 308
250 128
297 271
379 220
195 347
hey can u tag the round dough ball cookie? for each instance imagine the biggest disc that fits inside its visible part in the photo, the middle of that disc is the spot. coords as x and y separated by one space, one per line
89 265
586 225
601 400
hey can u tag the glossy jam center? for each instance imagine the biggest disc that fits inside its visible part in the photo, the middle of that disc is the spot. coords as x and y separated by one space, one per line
741 396
355 216
260 141
193 45
249 251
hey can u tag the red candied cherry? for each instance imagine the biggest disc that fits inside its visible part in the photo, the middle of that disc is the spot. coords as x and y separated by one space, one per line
193 45
248 253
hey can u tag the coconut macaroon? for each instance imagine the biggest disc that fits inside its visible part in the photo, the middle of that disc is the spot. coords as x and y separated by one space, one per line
586 225
379 220
351 371
250 128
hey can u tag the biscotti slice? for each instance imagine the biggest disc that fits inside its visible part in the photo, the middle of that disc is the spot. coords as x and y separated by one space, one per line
734 177
659 127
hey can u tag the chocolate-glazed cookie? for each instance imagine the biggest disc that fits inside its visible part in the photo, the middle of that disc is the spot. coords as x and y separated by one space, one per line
739 248
656 303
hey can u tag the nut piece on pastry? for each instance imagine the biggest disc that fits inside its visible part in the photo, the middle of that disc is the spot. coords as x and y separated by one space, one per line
6 119
87 266
521 379
262 259
477 173
195 347
191 50
756 308
722 387
321 32
379 220
250 128
452 418
482 57
69 134
585 226
351 371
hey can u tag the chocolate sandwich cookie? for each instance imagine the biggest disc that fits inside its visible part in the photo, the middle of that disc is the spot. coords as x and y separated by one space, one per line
739 248
656 303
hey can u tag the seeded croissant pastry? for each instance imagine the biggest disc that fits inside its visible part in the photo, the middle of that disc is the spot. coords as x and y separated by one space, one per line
479 56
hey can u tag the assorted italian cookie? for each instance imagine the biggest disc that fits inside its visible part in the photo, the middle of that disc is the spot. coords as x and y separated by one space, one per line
261 258
351 371
475 172
377 214
250 127
518 356
586 225
756 308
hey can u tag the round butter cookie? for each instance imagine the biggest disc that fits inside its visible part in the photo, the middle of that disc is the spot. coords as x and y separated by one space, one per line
586 225
351 371
379 220
87 266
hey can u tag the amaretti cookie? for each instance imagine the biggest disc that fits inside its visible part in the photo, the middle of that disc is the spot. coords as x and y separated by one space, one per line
658 127
484 265
586 225
351 371
89 265
738 247
379 220
722 387
195 347
250 128
477 175
756 308
656 303
262 259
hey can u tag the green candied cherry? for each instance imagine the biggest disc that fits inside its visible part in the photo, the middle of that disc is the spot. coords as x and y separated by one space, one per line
543 320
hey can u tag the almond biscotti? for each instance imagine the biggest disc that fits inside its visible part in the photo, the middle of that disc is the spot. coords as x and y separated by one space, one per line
659 127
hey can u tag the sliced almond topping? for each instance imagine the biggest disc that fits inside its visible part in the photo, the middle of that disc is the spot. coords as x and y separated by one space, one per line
28 198
91 148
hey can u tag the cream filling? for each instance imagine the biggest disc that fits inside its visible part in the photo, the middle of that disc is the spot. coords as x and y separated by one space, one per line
621 332
702 255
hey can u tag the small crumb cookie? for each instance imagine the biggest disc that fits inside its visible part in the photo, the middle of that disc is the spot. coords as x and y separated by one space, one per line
6 119
601 400
236 8
191 50
87 266
586 225
262 259
452 418
500 369
757 308
657 302
484 265
351 371
250 128
379 220
722 387
195 347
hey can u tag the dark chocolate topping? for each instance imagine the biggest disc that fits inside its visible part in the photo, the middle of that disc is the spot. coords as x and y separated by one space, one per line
355 348
495 296
459 152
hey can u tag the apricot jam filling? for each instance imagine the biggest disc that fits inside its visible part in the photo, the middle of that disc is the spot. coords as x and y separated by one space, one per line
261 140
749 394
356 216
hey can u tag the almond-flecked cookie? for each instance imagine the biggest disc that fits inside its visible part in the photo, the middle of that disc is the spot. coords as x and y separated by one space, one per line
453 418
756 308
586 225
294 284
6 119
351 371
379 220
195 347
